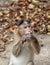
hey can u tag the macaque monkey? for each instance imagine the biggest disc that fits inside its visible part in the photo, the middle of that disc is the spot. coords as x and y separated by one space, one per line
23 51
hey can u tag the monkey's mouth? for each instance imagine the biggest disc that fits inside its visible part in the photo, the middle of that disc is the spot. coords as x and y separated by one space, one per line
27 37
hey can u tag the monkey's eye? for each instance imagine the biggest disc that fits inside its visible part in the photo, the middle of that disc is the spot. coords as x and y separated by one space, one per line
19 22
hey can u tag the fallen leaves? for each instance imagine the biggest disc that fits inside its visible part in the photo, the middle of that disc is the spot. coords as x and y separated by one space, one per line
10 13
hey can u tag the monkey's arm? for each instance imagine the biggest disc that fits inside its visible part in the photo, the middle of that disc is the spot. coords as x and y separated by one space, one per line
18 47
34 45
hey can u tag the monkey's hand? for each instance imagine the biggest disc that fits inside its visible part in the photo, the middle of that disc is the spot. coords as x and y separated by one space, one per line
17 48
35 45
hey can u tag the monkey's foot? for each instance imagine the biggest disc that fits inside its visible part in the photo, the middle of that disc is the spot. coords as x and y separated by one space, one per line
30 63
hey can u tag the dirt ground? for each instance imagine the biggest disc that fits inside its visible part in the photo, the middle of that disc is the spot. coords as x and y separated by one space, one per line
42 59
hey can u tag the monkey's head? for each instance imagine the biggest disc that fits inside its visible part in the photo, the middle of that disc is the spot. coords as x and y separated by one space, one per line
24 27
26 34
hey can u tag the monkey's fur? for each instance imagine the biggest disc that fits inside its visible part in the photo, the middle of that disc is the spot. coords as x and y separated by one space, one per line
23 51
33 46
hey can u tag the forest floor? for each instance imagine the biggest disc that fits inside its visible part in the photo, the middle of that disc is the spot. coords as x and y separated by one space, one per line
42 59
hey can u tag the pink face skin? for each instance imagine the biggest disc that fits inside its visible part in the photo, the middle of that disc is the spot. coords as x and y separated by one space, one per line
25 29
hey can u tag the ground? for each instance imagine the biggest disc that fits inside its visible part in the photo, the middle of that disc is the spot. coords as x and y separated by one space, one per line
41 59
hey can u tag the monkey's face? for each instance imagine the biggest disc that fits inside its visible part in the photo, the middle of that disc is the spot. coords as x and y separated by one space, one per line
24 28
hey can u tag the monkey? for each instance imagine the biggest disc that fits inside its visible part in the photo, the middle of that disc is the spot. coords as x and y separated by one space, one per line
23 51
